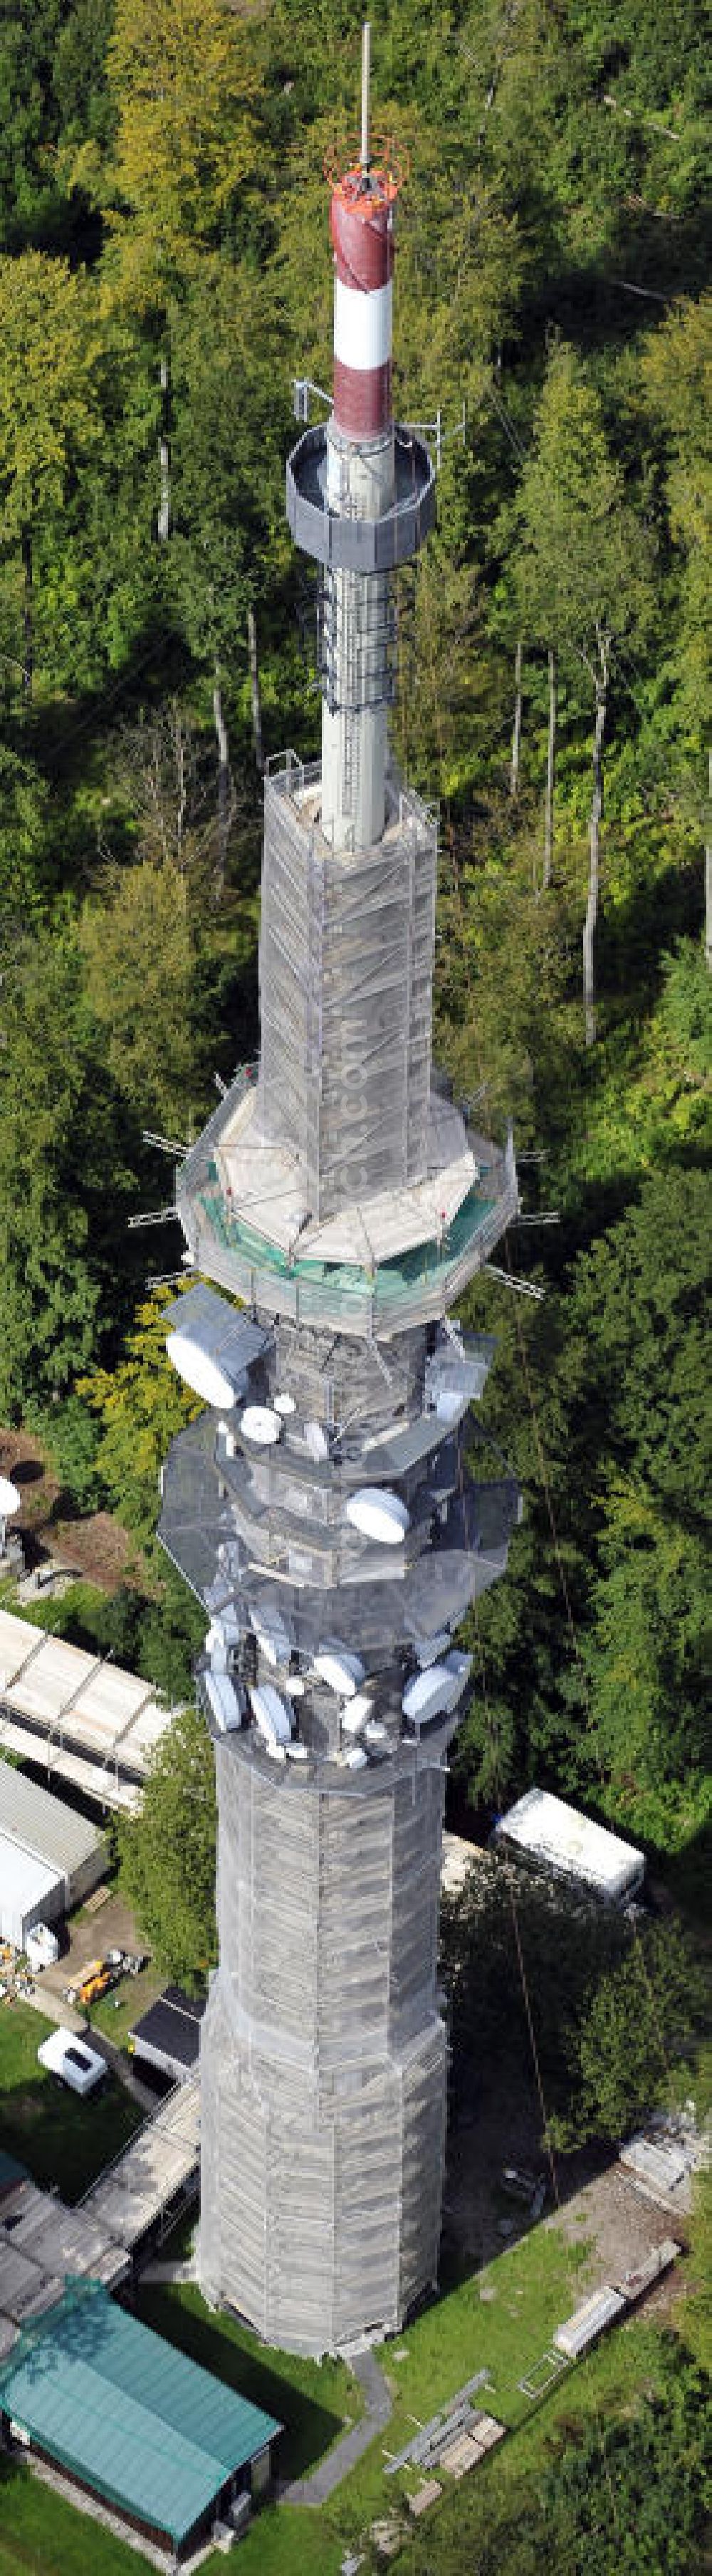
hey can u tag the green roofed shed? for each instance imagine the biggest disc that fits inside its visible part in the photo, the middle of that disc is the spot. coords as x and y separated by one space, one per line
133 2419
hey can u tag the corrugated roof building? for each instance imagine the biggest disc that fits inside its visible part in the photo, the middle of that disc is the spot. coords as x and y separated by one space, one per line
50 1857
132 2420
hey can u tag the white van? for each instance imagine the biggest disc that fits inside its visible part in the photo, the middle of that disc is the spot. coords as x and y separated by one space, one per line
79 2066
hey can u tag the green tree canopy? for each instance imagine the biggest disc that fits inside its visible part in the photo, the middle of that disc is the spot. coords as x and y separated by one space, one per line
140 1404
168 1854
49 409
62 1132
184 84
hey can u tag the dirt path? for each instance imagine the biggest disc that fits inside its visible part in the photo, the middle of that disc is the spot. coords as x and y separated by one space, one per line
620 2226
96 1548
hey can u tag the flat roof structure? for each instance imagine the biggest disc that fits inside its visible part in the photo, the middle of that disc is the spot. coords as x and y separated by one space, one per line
52 2243
564 1840
168 2034
376 1230
158 2167
90 1721
43 2244
45 1824
135 2421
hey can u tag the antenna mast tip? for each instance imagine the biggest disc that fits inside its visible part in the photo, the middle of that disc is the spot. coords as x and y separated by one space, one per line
365 95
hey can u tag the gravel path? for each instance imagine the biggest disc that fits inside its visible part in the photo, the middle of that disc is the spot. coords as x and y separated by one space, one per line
322 2481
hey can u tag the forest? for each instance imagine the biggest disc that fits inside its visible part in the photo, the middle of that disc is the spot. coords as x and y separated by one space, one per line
165 275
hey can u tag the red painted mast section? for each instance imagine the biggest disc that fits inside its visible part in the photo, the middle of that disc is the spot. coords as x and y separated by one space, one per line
362 235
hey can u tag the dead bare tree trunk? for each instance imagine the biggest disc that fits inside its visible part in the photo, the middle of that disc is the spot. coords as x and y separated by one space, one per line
708 885
589 929
550 760
255 684
517 733
224 798
164 455
28 657
181 783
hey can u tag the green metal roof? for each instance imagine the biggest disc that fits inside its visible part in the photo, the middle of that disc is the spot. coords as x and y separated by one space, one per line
118 2407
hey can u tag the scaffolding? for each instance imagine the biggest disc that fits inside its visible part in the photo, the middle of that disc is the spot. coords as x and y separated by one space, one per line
346 963
323 2054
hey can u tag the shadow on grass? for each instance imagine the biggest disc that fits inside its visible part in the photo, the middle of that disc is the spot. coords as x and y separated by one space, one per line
65 2142
234 2355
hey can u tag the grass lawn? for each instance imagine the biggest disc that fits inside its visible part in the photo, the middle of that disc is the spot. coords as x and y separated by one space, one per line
117 2013
311 2398
500 2320
628 2364
40 2535
60 2138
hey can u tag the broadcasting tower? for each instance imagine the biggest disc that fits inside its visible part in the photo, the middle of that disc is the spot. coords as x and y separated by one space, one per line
321 1507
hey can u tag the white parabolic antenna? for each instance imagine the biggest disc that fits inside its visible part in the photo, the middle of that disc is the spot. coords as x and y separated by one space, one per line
340 1670
260 1424
201 1372
378 1514
9 1498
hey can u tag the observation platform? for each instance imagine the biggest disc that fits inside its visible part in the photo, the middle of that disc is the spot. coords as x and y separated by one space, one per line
382 1266
351 544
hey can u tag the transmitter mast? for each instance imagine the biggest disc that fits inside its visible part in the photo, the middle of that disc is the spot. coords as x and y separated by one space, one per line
321 1507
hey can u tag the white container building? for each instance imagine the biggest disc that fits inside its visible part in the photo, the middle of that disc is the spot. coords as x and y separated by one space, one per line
561 1839
50 1857
30 1892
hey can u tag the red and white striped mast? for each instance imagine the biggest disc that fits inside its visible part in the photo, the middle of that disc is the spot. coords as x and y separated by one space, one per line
361 220
360 495
360 484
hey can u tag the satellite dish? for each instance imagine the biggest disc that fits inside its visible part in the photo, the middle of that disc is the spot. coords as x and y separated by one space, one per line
378 1514
340 1670
260 1424
10 1500
200 1372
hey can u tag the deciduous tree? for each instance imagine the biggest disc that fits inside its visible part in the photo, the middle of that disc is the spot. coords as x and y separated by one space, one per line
62 1132
49 408
168 1854
578 570
140 1404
